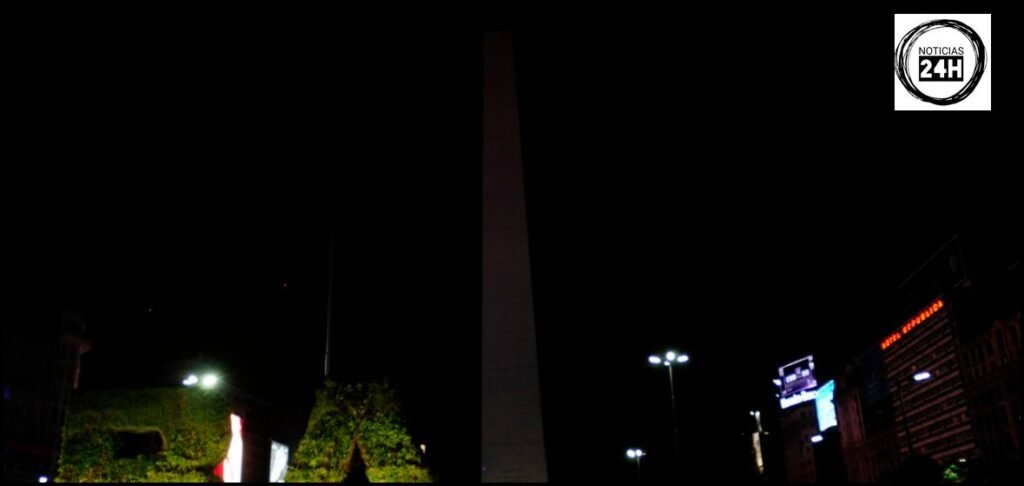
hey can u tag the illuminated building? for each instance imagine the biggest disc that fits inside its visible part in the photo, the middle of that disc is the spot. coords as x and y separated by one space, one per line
798 422
962 415
937 418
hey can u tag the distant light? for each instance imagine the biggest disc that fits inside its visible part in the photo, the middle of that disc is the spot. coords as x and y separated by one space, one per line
190 380
285 284
777 382
817 438
209 381
751 413
44 479
423 447
668 363
670 356
631 453
922 376
962 460
654 359
683 358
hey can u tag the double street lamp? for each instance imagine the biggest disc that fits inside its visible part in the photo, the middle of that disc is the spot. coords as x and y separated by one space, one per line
208 381
636 454
670 359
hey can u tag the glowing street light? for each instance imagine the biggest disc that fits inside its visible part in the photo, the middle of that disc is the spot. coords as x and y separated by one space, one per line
923 375
817 438
44 479
209 381
636 454
671 358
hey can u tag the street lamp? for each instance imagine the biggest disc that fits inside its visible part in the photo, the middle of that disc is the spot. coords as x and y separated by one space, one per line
817 438
756 439
208 381
636 454
918 377
670 359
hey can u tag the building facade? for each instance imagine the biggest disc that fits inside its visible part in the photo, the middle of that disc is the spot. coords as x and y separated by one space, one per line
931 412
797 425
42 362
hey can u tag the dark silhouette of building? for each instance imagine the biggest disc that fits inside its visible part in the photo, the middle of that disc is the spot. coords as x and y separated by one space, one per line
42 351
797 425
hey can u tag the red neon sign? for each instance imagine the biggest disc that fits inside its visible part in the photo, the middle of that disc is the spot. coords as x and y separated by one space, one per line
912 323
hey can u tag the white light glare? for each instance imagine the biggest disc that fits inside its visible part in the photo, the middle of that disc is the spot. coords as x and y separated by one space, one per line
209 381
44 479
670 356
924 375
190 380
817 438
682 358
631 453
654 360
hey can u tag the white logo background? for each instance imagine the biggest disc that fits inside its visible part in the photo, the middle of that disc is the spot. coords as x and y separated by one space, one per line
980 99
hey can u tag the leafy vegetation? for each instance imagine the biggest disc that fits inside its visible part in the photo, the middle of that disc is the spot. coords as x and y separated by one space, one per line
349 416
194 426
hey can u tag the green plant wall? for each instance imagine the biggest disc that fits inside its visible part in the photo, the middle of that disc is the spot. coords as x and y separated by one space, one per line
194 424
367 415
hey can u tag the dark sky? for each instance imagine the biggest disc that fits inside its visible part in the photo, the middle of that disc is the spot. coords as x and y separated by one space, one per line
747 223
196 166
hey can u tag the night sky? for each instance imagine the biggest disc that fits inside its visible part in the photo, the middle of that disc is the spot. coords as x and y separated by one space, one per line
196 171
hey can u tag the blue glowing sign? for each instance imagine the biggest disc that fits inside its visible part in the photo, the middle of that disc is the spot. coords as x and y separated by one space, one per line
825 406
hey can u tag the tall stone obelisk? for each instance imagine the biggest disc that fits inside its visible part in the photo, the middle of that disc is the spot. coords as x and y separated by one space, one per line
512 444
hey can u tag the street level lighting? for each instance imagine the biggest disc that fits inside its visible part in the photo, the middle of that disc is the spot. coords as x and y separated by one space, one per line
672 358
636 454
918 377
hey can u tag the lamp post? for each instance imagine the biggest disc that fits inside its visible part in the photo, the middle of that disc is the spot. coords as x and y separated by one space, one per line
671 358
918 377
758 457
210 381
636 454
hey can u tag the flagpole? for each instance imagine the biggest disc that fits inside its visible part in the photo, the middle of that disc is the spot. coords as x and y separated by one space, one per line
330 294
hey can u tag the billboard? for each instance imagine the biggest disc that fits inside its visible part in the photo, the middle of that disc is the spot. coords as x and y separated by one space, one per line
797 383
278 461
825 406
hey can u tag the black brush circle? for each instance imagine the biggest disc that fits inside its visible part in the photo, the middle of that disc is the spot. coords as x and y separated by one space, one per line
903 51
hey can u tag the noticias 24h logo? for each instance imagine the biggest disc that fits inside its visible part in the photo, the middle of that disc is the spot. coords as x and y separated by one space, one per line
942 62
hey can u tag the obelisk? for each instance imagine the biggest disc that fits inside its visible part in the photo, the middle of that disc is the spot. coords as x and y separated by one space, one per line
512 444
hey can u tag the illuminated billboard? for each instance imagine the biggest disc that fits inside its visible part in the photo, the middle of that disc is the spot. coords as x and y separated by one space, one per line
825 406
278 461
230 469
797 383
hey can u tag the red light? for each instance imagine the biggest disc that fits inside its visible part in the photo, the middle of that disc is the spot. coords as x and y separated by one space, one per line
912 323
